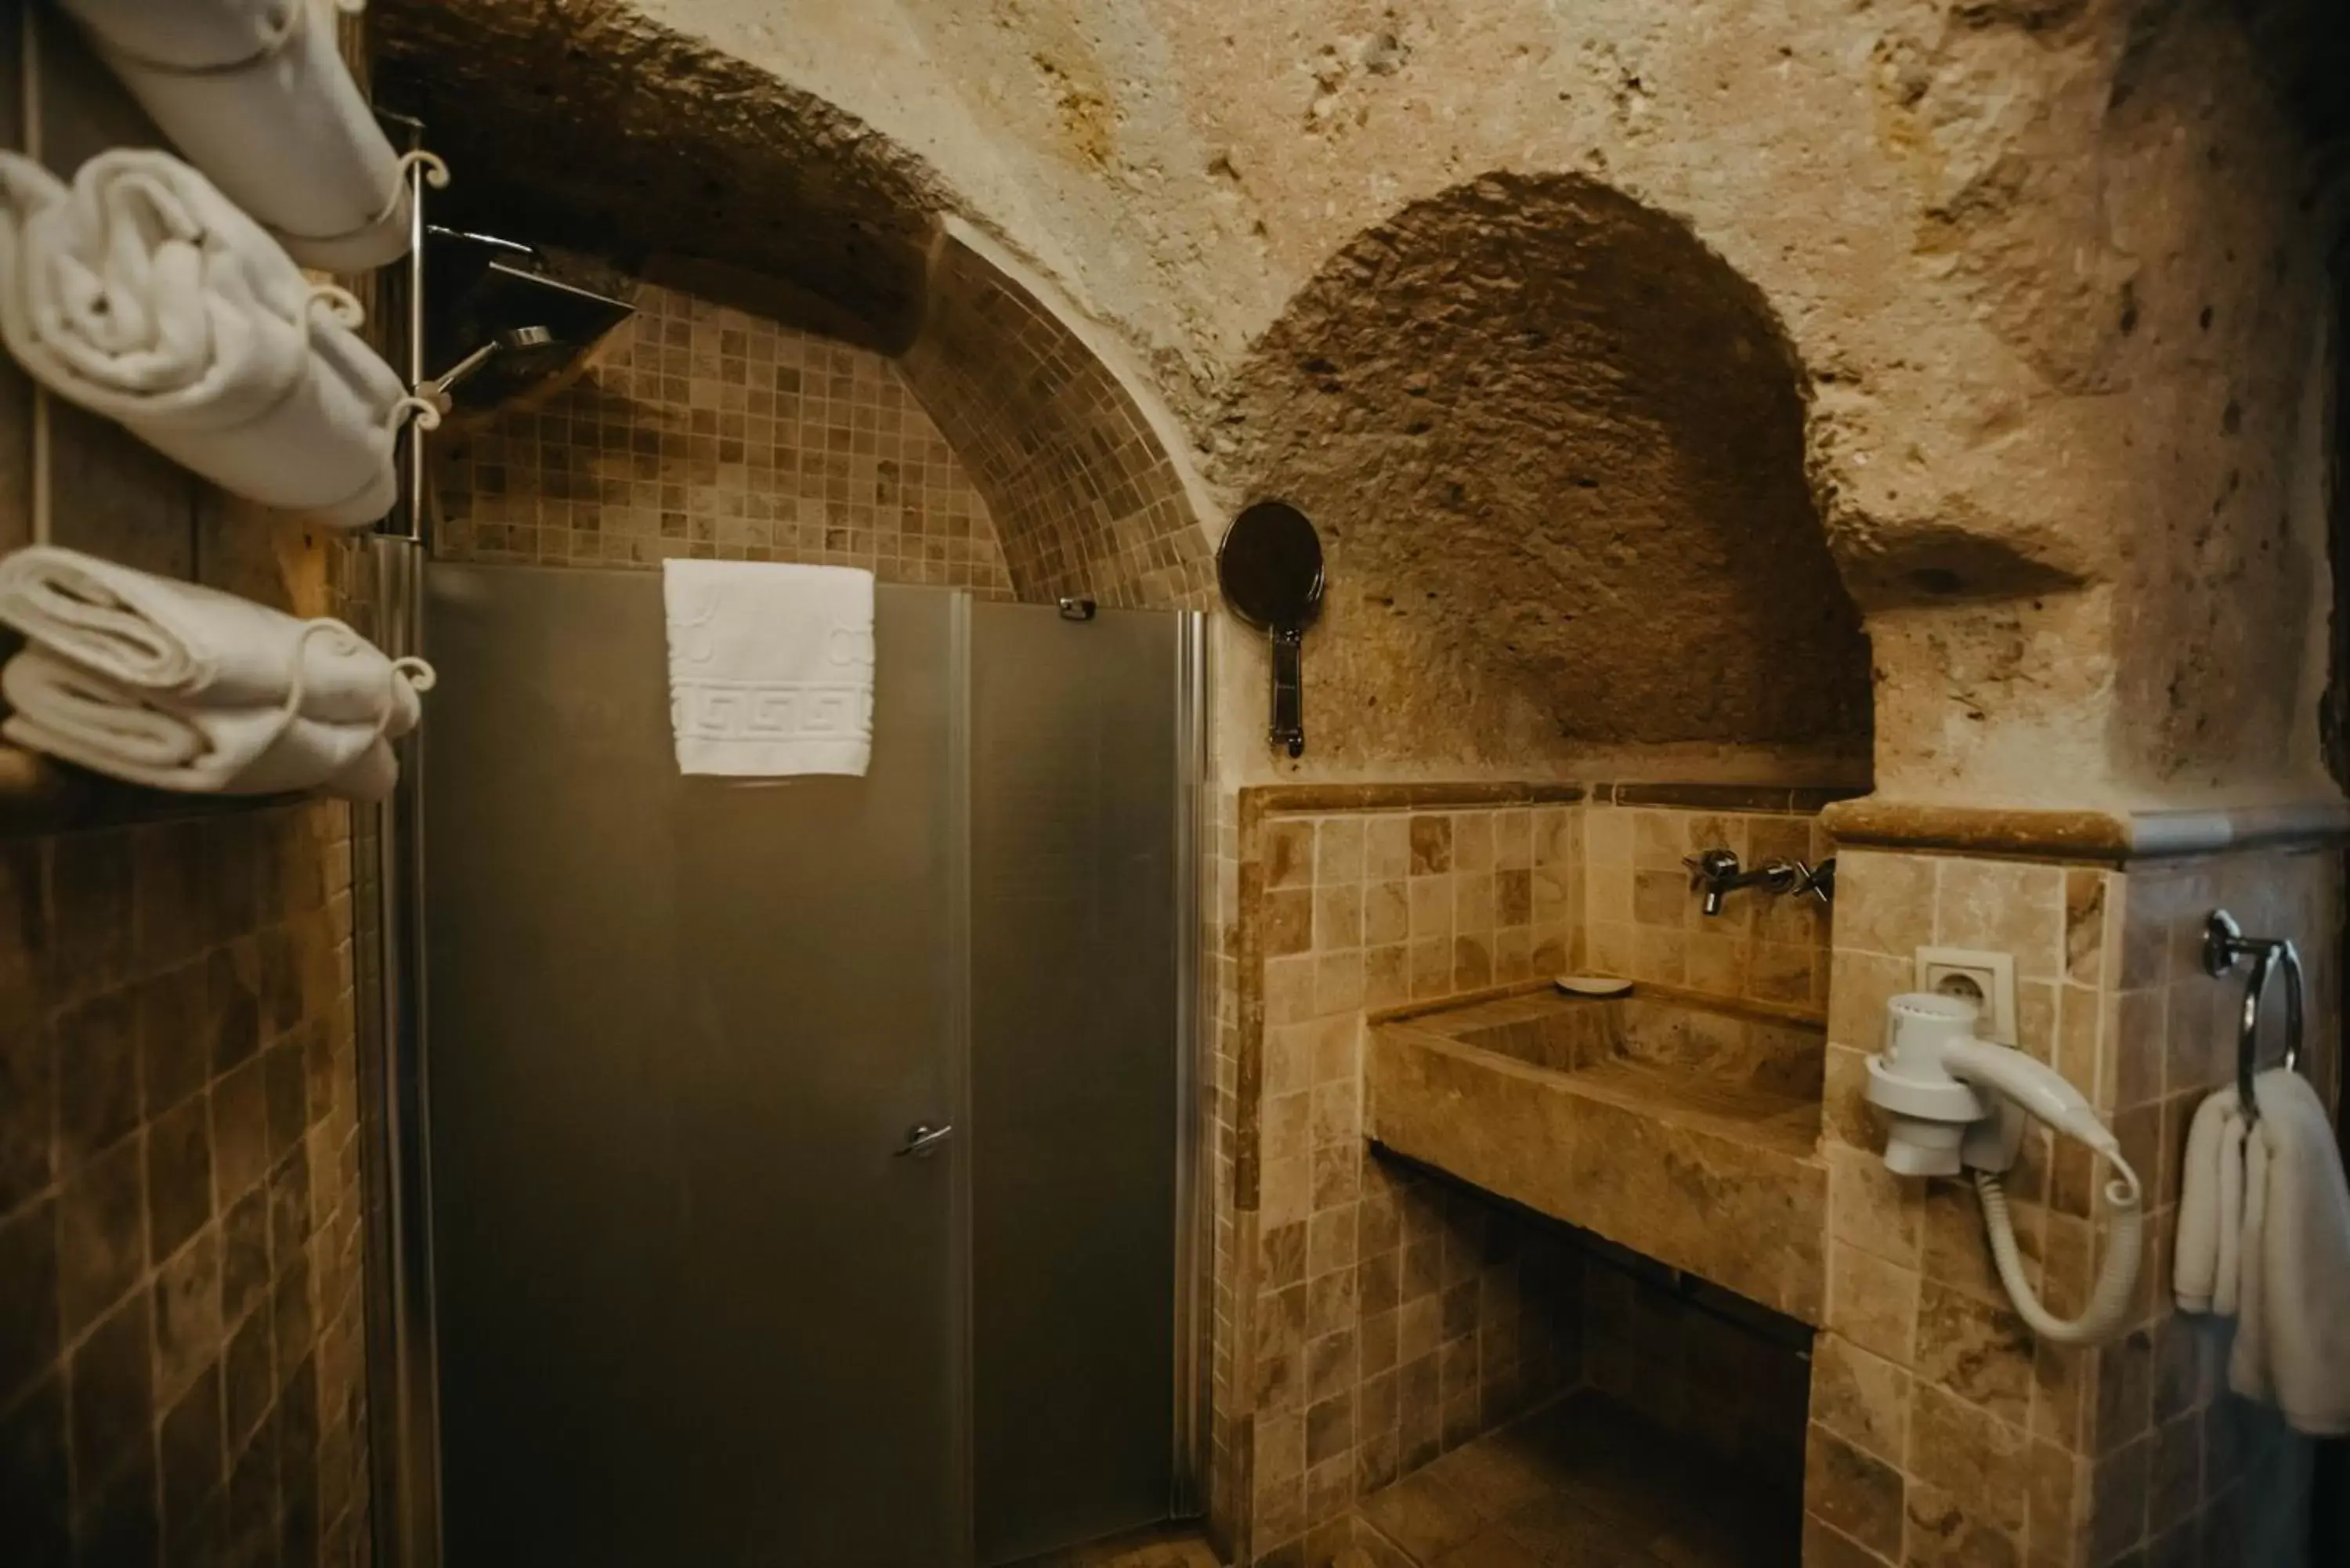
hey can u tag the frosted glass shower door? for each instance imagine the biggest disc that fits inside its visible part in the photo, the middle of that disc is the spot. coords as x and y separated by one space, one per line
693 1306
1080 770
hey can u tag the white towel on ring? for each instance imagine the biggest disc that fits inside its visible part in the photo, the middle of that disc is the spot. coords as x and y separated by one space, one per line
256 95
2292 1334
770 667
66 712
2205 1267
141 294
192 645
2227 1292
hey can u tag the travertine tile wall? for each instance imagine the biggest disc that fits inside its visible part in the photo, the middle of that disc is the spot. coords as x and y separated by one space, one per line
1354 902
1085 498
1381 1316
1647 923
1940 1430
1371 910
1943 1429
180 1335
1228 1422
707 432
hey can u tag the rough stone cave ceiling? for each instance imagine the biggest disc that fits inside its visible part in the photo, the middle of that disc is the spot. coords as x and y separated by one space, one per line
1602 565
2306 44
584 124
1554 446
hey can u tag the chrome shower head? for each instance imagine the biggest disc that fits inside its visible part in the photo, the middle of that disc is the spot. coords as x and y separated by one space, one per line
512 332
519 339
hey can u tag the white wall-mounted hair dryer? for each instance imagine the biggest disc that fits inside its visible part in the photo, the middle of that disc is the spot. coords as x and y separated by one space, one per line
1952 1100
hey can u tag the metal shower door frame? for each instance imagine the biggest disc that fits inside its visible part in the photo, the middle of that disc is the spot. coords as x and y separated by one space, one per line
388 951
387 982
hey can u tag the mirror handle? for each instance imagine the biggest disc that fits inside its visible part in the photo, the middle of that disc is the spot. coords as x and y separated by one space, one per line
1288 689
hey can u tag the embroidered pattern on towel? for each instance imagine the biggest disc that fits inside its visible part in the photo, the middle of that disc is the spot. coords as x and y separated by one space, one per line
712 708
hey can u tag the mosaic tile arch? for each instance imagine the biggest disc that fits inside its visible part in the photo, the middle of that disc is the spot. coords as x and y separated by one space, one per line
1001 454
1087 494
708 431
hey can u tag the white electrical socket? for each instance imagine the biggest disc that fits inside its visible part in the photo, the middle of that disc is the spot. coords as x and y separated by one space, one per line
1985 979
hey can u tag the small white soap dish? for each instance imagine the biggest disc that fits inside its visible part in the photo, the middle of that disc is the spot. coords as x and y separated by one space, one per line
1592 985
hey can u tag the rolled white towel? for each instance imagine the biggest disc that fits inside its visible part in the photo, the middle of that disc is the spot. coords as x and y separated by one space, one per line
192 645
66 712
142 293
255 93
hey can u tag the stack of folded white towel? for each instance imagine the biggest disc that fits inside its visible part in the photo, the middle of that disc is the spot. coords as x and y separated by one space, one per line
2264 1238
180 687
143 295
257 94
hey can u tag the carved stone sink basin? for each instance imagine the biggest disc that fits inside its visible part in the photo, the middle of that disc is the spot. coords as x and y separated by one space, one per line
1675 1124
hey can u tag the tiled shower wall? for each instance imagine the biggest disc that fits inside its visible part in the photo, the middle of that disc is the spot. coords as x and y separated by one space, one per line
180 1335
707 432
1943 1430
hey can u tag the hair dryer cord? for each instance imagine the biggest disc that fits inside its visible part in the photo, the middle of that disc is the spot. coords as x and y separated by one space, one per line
2109 1300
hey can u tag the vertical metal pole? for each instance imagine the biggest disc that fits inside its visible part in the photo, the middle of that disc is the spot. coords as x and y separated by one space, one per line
403 1373
405 1377
963 1464
1193 1205
29 68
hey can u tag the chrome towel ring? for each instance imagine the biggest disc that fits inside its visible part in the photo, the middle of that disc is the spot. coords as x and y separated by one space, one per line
2224 946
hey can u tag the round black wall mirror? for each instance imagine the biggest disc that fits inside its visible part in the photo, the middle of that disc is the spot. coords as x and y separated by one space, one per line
1270 569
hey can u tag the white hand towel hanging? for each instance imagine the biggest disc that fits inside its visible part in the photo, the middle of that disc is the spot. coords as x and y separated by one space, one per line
192 645
68 712
139 293
2293 1338
256 95
770 667
2206 1270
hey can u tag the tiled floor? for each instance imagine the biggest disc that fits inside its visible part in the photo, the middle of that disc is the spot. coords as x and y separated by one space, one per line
1169 1547
1584 1484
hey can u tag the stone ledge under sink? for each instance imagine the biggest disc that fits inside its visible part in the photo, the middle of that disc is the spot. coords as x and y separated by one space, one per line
1676 1125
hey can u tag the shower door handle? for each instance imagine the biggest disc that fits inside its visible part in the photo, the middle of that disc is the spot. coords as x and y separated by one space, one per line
922 1140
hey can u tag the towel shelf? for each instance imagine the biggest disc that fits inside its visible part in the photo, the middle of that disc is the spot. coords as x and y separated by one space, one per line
39 794
2224 946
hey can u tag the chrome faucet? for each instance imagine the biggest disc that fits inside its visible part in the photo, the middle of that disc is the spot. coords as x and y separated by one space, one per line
1718 872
